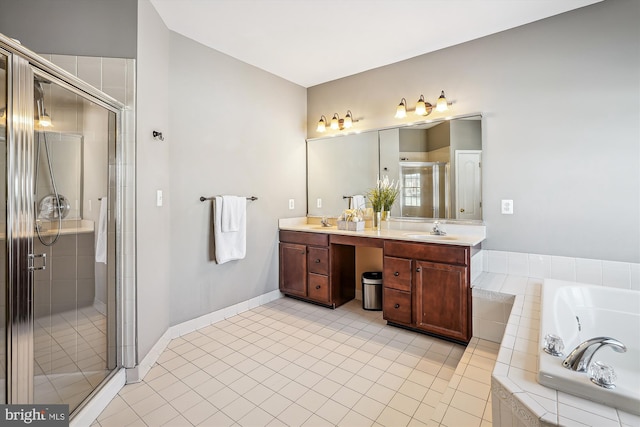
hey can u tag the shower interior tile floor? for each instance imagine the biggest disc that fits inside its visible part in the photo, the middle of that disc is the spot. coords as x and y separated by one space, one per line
69 350
293 363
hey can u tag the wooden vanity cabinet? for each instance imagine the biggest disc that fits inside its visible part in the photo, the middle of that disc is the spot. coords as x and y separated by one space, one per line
426 287
304 266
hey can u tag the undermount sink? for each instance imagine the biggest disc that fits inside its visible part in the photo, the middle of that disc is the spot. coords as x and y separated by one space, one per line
430 237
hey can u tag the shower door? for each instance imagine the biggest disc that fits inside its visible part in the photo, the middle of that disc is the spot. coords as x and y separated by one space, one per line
60 165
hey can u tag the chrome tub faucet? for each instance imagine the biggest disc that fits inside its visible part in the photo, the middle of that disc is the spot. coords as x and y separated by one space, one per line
580 358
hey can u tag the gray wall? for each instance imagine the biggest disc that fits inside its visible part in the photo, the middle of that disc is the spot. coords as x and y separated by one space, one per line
152 174
72 27
561 106
235 129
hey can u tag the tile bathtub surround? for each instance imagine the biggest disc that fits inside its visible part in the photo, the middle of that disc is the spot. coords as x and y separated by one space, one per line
293 363
624 275
517 397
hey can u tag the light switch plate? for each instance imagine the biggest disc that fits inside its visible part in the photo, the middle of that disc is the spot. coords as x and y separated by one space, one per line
507 207
319 203
159 198
292 204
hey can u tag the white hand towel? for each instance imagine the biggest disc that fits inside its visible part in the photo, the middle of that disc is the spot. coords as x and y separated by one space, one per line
101 242
230 245
358 202
233 209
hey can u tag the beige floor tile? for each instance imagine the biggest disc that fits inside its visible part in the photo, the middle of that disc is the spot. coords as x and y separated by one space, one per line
404 404
200 412
457 418
311 400
468 403
160 415
275 404
347 397
392 418
354 419
332 411
294 415
369 407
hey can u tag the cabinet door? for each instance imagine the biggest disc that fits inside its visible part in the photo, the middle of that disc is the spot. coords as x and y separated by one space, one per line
442 300
293 269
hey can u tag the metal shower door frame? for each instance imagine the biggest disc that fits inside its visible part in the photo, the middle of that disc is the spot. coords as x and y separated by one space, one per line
22 66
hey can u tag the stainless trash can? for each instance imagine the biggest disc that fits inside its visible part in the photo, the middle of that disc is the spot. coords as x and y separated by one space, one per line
372 290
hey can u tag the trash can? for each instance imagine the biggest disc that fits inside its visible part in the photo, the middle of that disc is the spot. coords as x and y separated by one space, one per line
372 290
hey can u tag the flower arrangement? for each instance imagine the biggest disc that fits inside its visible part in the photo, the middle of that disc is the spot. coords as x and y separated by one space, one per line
383 195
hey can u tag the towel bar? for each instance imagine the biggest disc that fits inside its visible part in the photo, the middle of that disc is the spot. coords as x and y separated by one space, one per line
202 198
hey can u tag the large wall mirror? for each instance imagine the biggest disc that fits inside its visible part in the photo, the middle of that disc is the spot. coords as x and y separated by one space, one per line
436 164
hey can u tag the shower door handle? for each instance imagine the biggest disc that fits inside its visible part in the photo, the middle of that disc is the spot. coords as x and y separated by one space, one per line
32 262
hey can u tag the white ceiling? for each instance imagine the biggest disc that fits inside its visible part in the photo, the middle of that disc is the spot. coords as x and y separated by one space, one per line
310 42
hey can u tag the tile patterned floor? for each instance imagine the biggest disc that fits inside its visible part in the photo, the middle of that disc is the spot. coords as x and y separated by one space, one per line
290 363
70 355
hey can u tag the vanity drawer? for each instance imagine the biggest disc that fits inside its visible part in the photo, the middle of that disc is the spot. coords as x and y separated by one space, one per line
318 260
318 288
396 306
397 273
303 238
447 254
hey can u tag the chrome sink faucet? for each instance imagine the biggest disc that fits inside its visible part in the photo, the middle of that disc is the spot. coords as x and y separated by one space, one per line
325 222
437 230
580 358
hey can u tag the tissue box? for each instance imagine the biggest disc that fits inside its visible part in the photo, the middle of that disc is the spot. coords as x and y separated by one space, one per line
350 225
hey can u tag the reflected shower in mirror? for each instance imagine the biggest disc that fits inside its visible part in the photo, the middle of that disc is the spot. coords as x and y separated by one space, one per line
437 165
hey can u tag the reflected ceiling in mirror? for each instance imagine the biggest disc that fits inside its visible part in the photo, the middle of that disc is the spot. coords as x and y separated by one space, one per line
436 163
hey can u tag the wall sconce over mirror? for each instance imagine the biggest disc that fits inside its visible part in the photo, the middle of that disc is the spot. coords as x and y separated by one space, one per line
336 122
423 108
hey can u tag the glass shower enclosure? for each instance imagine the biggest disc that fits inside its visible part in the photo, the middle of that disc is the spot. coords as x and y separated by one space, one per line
58 157
425 189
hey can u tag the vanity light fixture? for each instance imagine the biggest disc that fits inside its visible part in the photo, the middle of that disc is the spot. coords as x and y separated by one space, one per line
401 110
441 104
336 122
322 124
423 108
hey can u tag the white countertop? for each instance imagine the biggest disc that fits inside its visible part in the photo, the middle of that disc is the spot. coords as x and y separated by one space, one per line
457 234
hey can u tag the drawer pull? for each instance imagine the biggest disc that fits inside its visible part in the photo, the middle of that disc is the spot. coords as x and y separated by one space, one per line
303 252
418 269
396 306
318 287
396 274
318 261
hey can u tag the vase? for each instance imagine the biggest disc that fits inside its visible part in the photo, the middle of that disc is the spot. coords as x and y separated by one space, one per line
386 215
377 219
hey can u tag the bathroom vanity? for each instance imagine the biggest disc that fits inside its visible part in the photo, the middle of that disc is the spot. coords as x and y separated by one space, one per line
426 279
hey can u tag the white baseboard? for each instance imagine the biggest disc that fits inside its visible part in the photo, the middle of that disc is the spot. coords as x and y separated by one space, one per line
99 402
137 373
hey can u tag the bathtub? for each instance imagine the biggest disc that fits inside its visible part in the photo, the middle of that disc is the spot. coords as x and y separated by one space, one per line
577 312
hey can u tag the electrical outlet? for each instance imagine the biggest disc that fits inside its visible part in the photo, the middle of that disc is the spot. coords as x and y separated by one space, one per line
507 207
319 203
292 204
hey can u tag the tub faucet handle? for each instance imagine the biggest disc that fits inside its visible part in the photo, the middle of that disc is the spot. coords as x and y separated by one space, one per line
580 357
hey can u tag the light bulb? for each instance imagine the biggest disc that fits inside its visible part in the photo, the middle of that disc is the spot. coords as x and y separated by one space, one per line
421 107
348 120
322 126
401 111
441 105
335 122
45 120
